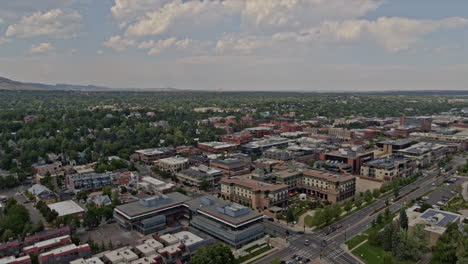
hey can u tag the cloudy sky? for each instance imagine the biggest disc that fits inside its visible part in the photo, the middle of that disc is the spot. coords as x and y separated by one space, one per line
237 44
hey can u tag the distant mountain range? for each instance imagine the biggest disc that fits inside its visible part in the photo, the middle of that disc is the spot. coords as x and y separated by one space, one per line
7 84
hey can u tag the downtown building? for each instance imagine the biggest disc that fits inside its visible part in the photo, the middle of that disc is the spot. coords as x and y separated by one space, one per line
232 223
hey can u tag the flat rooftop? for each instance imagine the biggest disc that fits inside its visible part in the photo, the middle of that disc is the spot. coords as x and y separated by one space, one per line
255 185
188 238
137 208
209 205
154 151
329 176
66 208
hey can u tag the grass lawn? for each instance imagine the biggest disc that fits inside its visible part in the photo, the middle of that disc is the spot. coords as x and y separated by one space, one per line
252 255
456 204
370 254
374 255
352 243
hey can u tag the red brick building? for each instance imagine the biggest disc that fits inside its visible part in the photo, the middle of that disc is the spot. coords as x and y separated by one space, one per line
238 138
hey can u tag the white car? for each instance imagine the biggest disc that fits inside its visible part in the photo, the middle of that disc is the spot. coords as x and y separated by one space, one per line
435 206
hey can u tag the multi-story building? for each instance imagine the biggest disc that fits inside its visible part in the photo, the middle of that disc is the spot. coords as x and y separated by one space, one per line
43 246
388 168
46 235
153 185
231 223
259 132
329 186
216 147
292 178
424 153
15 260
435 222
390 146
87 181
255 194
237 138
172 164
421 123
194 176
278 154
258 147
150 155
151 214
353 157
10 248
341 133
231 166
44 194
65 254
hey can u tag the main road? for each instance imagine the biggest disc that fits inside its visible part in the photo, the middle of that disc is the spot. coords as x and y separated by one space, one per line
330 246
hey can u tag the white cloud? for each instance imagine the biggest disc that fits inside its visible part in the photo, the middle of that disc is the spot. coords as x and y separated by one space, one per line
393 33
125 11
54 23
264 25
42 48
178 17
118 43
297 14
162 45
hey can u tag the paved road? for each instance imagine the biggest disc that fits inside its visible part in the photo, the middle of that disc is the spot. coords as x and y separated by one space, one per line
352 225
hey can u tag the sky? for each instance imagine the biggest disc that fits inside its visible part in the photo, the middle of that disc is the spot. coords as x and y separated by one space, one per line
278 45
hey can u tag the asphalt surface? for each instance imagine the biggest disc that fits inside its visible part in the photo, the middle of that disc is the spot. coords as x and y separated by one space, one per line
352 225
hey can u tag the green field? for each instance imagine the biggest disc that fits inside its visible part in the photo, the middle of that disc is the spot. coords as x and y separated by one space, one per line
352 243
374 255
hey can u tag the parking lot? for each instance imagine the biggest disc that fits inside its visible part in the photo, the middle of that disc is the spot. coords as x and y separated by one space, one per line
447 190
16 193
110 232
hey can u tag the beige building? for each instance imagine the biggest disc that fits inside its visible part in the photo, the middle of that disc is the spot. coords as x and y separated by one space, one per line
256 194
194 176
435 222
172 164
329 186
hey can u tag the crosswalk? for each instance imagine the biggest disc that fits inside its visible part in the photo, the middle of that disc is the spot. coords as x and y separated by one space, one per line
304 252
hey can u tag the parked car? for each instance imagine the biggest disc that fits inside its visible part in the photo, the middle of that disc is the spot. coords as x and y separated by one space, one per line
425 198
435 206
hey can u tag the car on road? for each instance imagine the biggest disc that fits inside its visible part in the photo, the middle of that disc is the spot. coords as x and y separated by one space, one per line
306 242
338 226
433 184
324 243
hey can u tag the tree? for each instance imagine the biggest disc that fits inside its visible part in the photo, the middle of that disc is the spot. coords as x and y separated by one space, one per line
403 219
358 202
83 195
386 237
376 193
425 206
374 237
290 215
215 254
107 190
205 185
368 196
348 205
445 250
396 191
7 235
